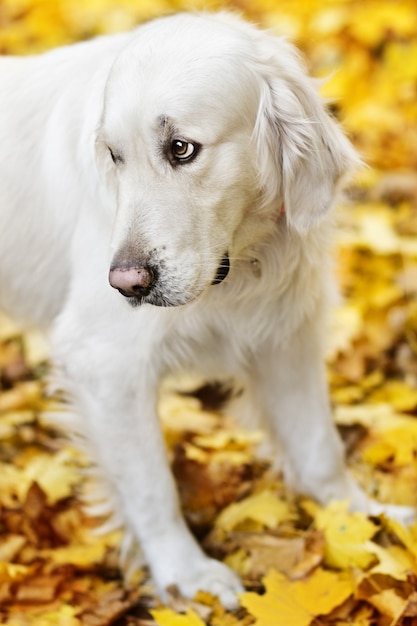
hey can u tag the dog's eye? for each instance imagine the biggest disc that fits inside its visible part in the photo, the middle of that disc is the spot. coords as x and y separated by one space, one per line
182 150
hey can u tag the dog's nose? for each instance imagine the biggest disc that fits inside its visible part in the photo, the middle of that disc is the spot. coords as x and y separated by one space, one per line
132 281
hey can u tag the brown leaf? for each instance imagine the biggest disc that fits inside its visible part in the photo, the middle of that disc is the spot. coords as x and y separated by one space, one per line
41 589
266 552
206 488
411 608
34 520
110 606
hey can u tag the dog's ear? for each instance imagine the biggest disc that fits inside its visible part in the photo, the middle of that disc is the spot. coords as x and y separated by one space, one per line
302 152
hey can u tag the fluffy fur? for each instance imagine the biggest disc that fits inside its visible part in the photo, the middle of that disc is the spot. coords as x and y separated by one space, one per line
90 180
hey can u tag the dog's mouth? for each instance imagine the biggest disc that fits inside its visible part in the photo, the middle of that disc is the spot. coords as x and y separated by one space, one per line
141 284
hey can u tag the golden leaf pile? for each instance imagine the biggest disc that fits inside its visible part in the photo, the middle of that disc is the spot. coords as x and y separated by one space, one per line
300 564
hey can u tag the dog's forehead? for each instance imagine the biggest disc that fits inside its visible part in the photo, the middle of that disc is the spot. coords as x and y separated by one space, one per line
184 60
188 36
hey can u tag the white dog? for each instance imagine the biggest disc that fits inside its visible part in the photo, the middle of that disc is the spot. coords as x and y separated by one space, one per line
192 165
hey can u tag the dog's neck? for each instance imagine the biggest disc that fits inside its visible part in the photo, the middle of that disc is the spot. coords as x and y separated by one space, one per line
255 263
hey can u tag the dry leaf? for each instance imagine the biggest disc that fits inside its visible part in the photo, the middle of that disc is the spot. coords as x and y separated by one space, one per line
264 507
167 617
345 534
297 603
393 561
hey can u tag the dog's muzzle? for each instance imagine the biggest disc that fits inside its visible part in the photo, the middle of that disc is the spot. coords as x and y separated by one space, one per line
139 283
222 270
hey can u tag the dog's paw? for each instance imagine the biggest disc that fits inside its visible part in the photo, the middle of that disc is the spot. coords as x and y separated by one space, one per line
212 576
360 501
217 579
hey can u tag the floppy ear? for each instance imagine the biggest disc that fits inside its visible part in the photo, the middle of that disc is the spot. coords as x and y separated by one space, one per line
302 152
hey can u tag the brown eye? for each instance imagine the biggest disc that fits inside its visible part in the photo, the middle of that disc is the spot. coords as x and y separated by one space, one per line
182 150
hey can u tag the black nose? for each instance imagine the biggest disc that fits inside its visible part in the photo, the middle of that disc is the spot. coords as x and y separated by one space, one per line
222 270
132 281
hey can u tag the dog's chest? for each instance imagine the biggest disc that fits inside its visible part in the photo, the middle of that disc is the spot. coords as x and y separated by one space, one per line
220 340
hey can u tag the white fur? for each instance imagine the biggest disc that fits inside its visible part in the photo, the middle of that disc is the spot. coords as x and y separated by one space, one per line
67 210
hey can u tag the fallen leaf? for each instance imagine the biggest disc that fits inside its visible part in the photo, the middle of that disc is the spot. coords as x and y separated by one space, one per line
389 603
264 507
39 589
233 438
10 545
297 603
345 534
79 555
167 617
11 572
393 561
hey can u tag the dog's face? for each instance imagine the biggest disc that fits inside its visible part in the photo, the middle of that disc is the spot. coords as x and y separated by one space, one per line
196 154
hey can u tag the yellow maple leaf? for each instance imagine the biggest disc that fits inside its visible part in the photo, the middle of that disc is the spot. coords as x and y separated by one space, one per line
393 561
168 617
345 534
297 603
264 507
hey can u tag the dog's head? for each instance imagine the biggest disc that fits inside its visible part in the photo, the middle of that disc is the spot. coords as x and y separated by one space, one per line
209 127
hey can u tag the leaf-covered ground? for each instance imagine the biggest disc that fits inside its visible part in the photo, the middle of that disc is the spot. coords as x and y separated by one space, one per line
300 564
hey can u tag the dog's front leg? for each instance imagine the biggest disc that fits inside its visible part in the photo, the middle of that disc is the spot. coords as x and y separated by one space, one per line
115 392
291 383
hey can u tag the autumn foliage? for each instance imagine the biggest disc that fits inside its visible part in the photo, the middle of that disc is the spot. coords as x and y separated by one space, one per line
301 564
